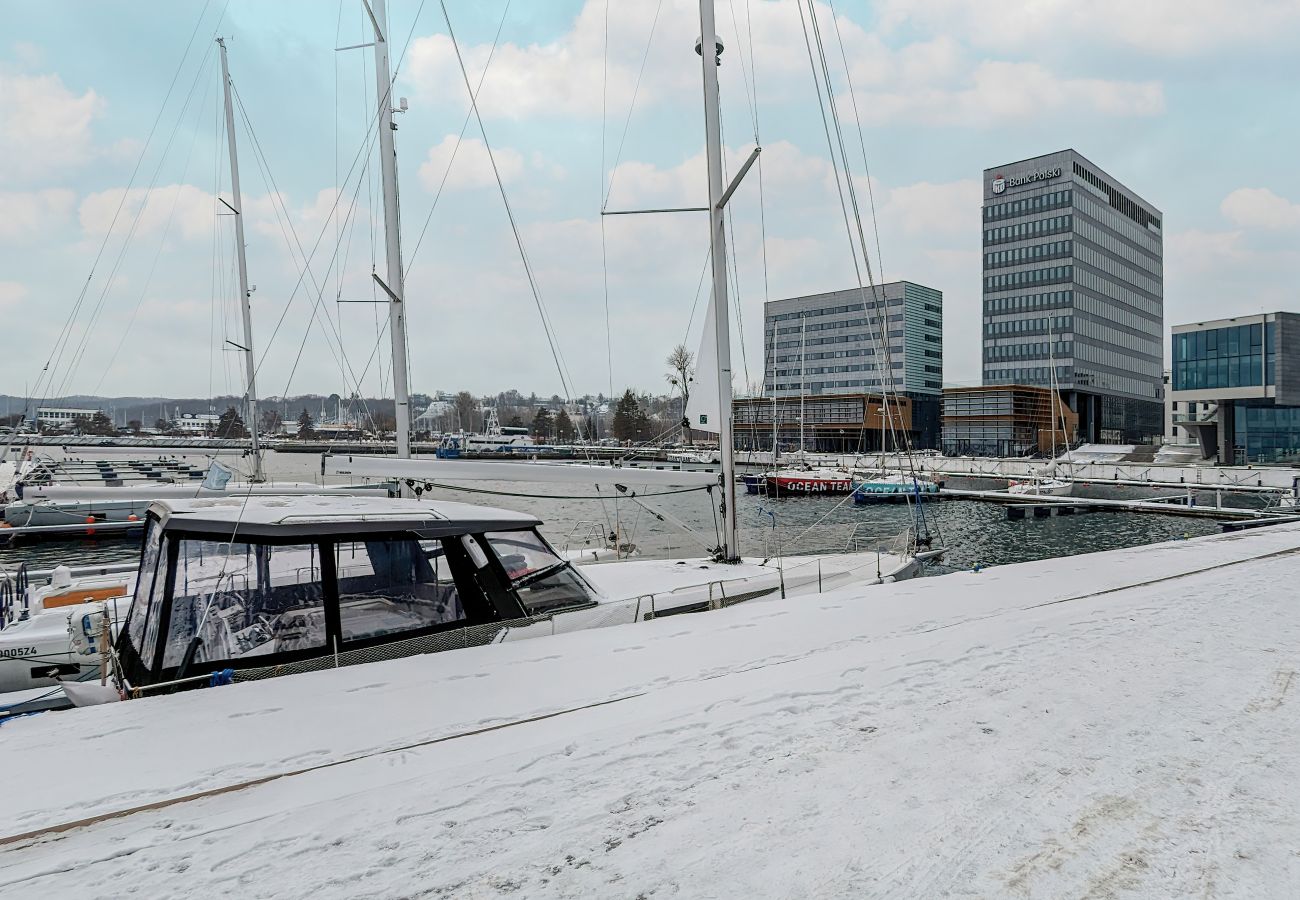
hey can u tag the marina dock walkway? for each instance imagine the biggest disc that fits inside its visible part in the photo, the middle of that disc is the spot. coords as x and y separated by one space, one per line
1098 725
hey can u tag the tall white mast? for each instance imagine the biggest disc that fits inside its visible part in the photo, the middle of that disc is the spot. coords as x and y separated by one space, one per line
710 58
392 229
237 207
803 381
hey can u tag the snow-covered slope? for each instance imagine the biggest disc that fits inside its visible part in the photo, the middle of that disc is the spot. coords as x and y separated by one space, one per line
1119 723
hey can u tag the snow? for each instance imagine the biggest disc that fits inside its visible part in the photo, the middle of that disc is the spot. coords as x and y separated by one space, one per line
1118 724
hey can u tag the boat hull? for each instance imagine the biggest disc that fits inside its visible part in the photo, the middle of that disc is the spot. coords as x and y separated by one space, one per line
778 485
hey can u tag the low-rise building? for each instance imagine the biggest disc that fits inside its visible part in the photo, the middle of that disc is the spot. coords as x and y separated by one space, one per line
1236 387
842 423
886 338
61 417
1005 420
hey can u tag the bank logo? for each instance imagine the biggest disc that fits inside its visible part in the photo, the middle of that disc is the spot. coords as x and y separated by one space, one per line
999 184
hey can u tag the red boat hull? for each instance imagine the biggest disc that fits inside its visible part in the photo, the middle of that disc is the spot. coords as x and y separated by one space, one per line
811 485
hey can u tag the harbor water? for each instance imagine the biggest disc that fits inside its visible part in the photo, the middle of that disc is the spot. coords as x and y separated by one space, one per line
974 533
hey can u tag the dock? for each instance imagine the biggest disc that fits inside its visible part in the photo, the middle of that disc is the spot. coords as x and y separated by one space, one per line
1041 506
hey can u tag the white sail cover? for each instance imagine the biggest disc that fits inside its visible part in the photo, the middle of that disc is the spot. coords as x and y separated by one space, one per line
702 412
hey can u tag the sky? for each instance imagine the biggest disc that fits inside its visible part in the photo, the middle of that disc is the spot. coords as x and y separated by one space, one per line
116 256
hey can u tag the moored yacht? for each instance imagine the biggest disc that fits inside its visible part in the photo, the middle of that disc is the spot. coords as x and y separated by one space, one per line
246 589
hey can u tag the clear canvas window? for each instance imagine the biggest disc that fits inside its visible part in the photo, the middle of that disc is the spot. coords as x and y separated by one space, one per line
147 593
244 600
543 581
388 586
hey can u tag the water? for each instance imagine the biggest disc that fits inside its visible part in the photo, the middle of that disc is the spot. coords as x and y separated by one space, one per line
973 532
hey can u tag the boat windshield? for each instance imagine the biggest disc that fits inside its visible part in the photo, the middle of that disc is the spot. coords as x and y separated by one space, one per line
244 600
543 581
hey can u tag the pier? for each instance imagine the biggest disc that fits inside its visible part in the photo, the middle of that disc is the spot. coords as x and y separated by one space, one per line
1041 506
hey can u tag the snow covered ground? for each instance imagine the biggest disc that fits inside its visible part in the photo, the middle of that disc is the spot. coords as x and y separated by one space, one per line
1119 724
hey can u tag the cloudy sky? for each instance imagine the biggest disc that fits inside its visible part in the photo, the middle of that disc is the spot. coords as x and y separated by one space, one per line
1191 103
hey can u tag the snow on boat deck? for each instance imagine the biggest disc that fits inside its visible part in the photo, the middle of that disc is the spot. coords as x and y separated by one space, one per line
1112 724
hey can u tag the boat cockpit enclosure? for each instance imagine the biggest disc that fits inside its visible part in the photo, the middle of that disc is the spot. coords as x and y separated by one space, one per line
283 584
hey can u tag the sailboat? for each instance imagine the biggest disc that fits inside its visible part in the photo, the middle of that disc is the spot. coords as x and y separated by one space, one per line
435 575
63 504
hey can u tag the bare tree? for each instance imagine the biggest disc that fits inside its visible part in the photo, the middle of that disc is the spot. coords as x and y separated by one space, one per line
465 406
681 362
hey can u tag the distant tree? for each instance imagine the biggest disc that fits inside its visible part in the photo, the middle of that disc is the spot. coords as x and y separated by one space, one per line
99 423
305 430
135 426
162 426
231 424
515 422
630 423
465 406
564 430
543 424
272 421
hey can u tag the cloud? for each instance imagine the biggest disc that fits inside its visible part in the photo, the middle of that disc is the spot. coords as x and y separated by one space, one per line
34 214
1260 208
1164 27
565 77
195 210
44 127
471 166
925 208
11 294
997 91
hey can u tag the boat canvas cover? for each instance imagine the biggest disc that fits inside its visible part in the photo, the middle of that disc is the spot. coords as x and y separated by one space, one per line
317 516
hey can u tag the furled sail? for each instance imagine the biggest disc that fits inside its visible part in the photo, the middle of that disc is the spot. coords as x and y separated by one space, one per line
702 412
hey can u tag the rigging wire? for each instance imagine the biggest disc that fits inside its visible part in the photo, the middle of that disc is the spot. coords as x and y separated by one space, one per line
636 90
762 202
162 242
883 344
285 223
514 227
604 256
464 126
74 361
598 497
65 333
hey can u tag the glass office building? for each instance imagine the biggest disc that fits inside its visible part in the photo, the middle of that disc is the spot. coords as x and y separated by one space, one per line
1236 386
1074 278
1008 420
831 344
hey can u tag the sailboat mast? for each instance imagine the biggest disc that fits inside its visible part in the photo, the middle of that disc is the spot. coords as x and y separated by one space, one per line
803 381
709 56
237 207
392 231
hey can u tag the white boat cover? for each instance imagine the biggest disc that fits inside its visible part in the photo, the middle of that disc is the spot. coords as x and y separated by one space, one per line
541 472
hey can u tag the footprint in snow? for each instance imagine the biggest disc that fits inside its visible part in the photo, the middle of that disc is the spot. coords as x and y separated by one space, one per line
256 712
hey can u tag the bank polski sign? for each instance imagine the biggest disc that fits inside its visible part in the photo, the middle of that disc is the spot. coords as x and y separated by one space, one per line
1000 184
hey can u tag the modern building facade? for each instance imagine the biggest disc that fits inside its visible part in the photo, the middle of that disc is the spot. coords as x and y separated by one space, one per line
1005 420
839 423
1074 278
1236 387
831 344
